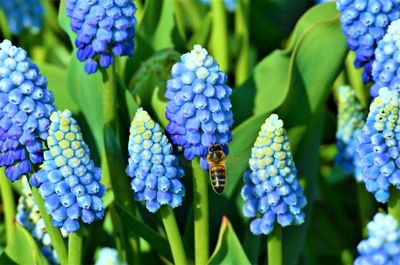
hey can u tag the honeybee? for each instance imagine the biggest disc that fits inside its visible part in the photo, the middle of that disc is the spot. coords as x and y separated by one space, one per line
216 158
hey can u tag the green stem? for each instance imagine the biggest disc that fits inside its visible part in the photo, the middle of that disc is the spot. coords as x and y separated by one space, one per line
75 241
7 198
219 36
174 237
242 36
180 21
200 203
394 204
55 235
275 246
110 95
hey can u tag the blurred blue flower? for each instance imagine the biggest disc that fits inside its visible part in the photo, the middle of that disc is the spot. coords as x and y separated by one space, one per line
364 22
69 182
25 108
324 1
379 145
272 191
382 247
104 28
230 5
387 59
22 14
199 108
153 168
108 256
29 217
350 122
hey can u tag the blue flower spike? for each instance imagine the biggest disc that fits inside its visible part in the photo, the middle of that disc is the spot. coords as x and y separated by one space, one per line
153 168
350 122
108 256
22 15
382 247
387 60
105 29
364 22
68 181
378 145
29 217
199 108
230 5
272 192
25 107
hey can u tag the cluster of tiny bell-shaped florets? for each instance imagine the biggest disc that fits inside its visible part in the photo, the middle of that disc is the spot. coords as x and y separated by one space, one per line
385 69
364 22
198 108
22 14
153 168
382 247
68 181
104 28
351 119
272 192
28 216
25 107
379 145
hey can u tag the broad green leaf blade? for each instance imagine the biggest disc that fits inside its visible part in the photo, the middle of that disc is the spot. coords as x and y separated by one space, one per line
228 249
23 249
158 243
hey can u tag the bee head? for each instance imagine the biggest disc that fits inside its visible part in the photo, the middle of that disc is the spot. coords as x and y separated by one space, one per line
215 147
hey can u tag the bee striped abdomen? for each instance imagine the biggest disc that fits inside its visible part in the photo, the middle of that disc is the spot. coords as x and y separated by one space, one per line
218 178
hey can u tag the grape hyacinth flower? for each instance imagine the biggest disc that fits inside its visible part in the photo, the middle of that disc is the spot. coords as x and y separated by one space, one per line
350 122
385 69
69 182
104 28
153 168
108 256
29 217
379 145
199 108
25 108
230 5
364 22
22 14
383 243
272 191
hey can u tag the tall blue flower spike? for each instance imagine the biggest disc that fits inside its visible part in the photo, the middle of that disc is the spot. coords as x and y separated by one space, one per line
108 256
153 168
199 108
385 69
272 191
350 122
69 182
364 22
22 14
379 145
25 108
230 5
29 217
104 28
382 247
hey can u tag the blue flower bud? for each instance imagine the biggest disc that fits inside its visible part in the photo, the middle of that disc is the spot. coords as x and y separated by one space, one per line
24 115
364 22
271 188
104 29
378 145
350 122
383 243
29 217
23 15
154 175
63 181
199 109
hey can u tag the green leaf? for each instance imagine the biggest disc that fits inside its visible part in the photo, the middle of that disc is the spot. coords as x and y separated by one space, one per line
228 249
64 21
23 249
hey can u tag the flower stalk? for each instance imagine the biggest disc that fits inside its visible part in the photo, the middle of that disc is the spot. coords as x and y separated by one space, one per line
275 246
7 199
219 37
75 246
200 203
